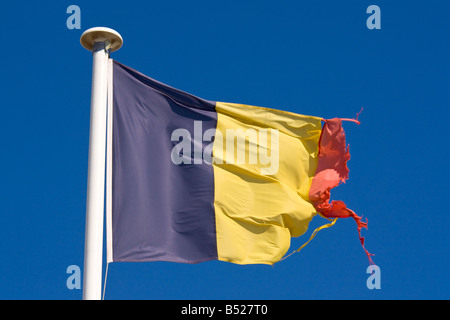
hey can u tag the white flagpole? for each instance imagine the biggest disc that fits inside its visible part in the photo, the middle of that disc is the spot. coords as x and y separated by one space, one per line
100 41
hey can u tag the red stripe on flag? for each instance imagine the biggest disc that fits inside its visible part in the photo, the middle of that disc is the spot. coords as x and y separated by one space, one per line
331 171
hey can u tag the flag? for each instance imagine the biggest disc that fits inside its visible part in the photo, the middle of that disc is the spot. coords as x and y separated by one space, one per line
193 180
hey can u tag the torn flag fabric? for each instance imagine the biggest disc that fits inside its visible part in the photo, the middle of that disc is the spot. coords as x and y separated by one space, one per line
194 180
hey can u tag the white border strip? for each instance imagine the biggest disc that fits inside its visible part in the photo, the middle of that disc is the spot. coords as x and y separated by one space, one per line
109 135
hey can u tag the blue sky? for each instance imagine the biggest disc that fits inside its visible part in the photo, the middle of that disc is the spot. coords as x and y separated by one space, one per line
310 57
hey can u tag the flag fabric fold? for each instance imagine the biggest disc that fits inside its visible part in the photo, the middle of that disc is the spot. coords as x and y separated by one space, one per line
196 180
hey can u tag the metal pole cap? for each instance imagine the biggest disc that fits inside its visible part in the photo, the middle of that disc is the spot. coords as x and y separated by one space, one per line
101 34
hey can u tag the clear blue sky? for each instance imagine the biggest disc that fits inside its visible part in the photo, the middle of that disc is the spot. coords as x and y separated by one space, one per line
310 57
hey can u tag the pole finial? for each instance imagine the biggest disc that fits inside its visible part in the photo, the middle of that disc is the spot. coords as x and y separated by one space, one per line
101 34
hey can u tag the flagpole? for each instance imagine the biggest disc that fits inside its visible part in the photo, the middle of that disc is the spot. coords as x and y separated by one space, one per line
100 41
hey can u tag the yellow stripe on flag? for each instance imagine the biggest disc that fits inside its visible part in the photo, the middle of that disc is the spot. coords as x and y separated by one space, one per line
264 161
